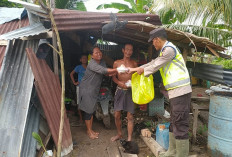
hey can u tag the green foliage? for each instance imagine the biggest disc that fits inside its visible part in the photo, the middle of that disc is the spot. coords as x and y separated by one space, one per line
100 41
140 6
190 135
206 18
168 17
219 36
202 129
61 4
39 140
123 8
225 63
6 3
81 6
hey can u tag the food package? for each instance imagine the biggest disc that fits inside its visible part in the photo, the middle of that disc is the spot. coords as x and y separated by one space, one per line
142 89
122 69
128 83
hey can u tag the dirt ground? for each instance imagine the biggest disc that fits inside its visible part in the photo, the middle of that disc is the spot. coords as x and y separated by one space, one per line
103 147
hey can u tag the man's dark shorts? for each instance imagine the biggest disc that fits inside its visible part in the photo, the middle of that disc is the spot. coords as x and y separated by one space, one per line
123 100
87 116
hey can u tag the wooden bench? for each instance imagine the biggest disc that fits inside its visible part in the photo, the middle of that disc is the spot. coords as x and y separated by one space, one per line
196 110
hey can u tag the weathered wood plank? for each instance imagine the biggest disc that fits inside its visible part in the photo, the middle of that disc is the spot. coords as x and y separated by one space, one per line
113 150
3 42
153 145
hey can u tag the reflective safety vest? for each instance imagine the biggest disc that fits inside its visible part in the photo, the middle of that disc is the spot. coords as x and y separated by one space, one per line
174 73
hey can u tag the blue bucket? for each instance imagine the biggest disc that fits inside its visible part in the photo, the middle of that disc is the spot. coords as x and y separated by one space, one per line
220 125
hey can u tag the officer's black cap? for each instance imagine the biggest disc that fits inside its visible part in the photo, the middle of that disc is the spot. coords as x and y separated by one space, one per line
158 32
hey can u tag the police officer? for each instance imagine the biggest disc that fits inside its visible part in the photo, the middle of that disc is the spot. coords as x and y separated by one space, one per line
176 81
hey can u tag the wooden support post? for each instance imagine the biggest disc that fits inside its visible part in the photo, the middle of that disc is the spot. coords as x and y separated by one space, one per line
195 118
55 55
3 42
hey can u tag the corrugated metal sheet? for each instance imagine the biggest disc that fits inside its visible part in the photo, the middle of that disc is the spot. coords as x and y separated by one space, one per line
68 20
28 31
33 8
13 25
10 26
49 91
16 81
32 125
227 76
210 72
10 14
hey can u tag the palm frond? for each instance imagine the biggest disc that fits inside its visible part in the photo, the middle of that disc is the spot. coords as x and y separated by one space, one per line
212 10
133 5
127 11
118 6
144 5
218 36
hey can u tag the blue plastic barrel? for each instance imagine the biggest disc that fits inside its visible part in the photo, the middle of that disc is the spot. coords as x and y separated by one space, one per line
220 125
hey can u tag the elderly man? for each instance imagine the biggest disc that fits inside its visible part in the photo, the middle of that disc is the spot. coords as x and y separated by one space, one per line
123 95
176 81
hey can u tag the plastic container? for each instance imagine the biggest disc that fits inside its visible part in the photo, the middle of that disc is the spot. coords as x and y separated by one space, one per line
194 80
220 125
162 135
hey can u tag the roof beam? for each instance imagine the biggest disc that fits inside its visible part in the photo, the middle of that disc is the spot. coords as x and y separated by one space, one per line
40 36
130 38
3 42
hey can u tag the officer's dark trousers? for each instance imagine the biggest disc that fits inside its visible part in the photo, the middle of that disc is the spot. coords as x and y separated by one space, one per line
179 122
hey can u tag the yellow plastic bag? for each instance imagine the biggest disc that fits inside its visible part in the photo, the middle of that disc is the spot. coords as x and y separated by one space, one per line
142 89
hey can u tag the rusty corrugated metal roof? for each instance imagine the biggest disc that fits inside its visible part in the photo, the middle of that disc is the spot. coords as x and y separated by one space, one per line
49 91
10 26
13 25
68 20
16 82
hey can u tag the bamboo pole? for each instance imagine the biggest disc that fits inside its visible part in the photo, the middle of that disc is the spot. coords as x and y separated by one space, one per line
60 52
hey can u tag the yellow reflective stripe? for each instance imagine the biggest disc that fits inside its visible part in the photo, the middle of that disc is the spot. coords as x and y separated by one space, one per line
178 66
178 61
166 70
177 83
